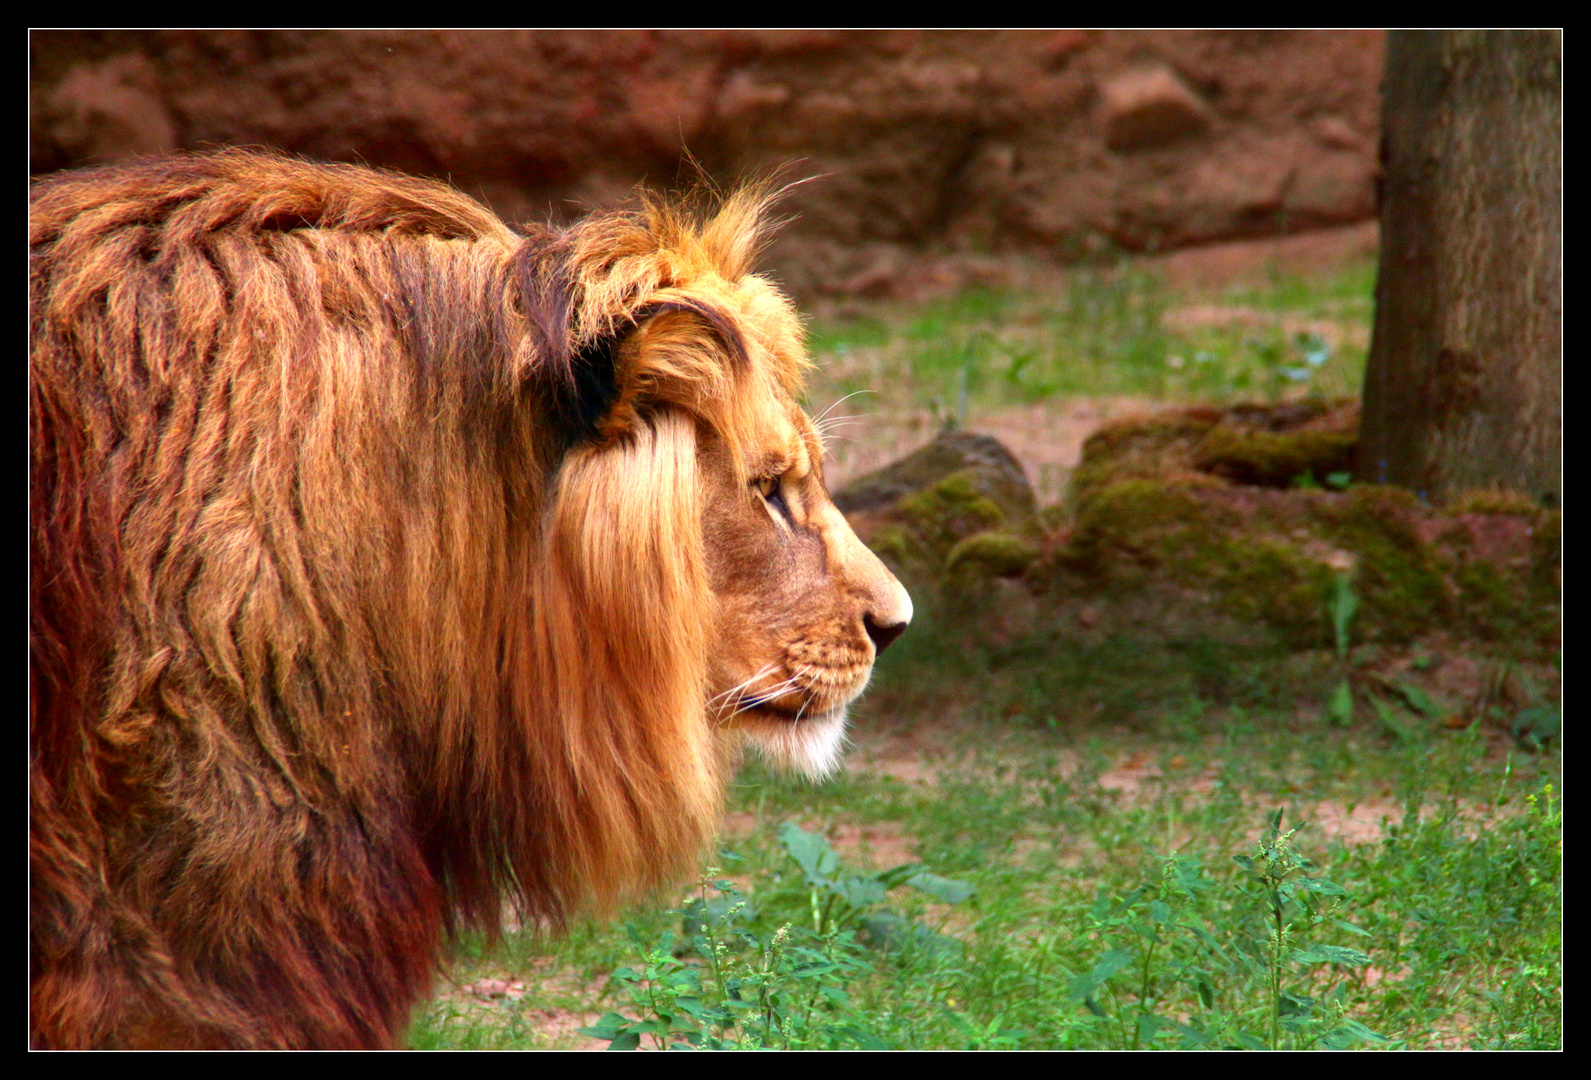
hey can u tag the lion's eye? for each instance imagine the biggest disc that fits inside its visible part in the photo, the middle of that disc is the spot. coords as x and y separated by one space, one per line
772 490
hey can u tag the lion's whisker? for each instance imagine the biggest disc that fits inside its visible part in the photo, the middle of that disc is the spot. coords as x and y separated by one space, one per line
837 404
766 668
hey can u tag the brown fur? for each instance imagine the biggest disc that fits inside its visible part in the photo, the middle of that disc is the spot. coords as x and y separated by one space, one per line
380 558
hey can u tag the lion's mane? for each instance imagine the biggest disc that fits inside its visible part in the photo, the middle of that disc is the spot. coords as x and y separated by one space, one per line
367 582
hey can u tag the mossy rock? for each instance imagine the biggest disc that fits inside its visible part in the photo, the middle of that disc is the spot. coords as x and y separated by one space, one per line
1275 459
995 474
1270 446
1271 556
915 511
992 554
1196 537
1403 591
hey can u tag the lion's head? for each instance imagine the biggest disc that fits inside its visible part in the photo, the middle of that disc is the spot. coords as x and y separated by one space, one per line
388 562
800 608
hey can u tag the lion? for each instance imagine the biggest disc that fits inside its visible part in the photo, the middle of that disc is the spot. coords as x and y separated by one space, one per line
389 566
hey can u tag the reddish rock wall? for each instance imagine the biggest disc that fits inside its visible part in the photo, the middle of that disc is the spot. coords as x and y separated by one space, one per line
930 144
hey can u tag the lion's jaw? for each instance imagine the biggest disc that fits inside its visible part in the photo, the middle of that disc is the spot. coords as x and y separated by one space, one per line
803 607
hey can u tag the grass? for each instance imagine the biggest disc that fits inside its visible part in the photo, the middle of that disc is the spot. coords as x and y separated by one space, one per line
1113 331
1153 837
1186 914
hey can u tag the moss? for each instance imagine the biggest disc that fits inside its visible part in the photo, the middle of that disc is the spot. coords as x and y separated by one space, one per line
1272 582
1274 459
1139 448
1493 605
1054 518
1402 590
994 473
991 554
893 546
1145 523
1128 529
1546 558
950 509
1495 502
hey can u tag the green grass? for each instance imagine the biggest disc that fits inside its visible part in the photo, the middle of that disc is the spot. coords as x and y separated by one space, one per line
1097 919
1111 331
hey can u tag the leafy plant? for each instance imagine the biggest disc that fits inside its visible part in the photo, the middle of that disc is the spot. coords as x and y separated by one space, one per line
1176 942
1339 709
751 990
1297 906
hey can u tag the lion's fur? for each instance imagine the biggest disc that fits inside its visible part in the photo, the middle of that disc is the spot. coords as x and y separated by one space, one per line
366 580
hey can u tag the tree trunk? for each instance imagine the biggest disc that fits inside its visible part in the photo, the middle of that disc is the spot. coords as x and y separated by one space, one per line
1462 388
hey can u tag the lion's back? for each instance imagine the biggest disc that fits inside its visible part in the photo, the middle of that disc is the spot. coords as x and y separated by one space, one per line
212 341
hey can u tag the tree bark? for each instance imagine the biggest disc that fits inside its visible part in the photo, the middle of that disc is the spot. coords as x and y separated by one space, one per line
1463 383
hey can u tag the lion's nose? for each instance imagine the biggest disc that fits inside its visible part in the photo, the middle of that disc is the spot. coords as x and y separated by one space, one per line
882 633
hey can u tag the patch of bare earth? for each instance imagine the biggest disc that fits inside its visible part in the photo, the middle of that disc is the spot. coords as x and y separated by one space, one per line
877 846
1216 266
496 1000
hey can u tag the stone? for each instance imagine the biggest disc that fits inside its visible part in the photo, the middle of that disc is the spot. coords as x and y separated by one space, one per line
1149 107
957 509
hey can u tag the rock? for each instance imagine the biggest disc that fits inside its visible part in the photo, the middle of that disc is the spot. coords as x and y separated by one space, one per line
113 109
996 472
1267 446
1238 508
991 554
936 144
1150 107
959 508
744 98
1335 133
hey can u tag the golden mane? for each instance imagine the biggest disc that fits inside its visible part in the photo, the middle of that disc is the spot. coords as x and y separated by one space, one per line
367 582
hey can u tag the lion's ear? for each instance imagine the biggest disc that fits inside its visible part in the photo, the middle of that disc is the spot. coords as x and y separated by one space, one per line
602 369
680 352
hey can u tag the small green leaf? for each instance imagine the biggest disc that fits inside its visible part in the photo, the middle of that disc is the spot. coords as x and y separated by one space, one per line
627 1040
861 892
1109 964
1339 709
1351 928
1329 954
942 889
1420 701
864 1039
1321 886
900 875
1536 725
607 1028
1349 1033
811 852
1390 720
1288 1004
1342 608
1148 1026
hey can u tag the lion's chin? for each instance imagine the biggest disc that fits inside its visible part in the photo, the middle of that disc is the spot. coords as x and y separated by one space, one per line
811 746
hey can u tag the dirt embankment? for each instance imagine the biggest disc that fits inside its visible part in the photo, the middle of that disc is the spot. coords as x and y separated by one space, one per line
938 150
